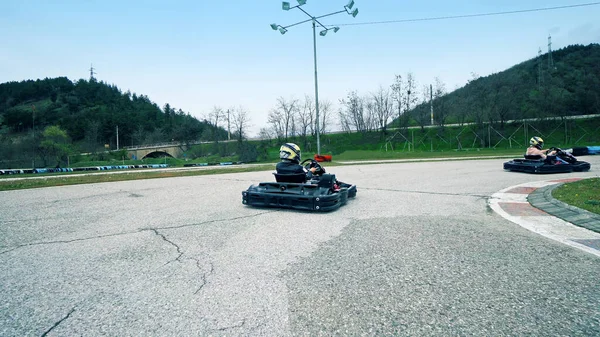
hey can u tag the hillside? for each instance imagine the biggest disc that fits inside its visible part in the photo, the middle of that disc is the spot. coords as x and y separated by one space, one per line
92 109
89 113
570 85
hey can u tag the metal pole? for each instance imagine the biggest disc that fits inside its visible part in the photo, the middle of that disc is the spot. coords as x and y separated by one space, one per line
431 101
228 126
117 137
33 131
316 87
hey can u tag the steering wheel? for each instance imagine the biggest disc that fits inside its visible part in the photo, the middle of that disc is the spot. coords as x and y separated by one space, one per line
557 150
310 163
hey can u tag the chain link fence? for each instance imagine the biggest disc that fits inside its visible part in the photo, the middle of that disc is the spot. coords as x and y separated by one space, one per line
582 131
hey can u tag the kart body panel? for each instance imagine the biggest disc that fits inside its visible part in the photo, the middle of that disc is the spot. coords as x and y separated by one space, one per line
531 164
323 194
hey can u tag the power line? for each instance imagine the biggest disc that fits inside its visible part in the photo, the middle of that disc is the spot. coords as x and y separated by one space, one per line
466 15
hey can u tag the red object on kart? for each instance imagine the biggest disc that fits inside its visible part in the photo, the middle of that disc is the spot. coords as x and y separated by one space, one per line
322 157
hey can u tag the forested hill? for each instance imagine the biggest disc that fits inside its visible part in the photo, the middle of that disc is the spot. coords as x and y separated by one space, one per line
90 111
566 84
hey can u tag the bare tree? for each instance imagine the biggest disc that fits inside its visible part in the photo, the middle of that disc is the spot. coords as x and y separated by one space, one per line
265 134
324 115
369 113
411 97
287 112
344 120
292 132
305 114
398 98
275 119
384 109
227 116
352 113
241 121
439 101
423 109
215 118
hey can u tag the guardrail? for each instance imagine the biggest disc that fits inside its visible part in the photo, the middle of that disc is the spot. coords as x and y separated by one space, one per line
214 164
80 169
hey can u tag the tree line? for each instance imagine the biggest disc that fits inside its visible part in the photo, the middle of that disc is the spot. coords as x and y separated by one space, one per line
88 110
89 114
536 88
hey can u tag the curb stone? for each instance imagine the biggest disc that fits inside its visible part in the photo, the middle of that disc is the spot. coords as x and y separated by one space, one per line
542 214
542 199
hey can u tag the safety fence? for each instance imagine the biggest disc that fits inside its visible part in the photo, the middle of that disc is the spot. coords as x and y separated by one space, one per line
558 133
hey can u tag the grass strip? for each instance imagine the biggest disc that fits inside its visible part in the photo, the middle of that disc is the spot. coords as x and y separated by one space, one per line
76 179
584 194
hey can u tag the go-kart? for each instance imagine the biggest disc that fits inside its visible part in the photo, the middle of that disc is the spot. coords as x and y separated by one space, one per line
551 164
323 192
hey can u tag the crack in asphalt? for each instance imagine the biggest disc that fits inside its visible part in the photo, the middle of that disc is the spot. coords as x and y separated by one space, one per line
219 220
170 242
425 192
235 179
204 275
67 241
58 323
241 324
132 232
203 278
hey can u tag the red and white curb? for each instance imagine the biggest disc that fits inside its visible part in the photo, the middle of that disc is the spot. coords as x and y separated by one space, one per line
511 203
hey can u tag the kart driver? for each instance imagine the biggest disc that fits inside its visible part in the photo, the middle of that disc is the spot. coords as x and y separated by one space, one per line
289 153
535 148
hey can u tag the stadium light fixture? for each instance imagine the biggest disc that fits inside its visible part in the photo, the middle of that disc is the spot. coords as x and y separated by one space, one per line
314 19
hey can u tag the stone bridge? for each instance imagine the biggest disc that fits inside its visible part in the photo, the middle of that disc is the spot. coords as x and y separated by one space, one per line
174 150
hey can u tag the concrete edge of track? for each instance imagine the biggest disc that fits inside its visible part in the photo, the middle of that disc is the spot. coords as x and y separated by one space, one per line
512 204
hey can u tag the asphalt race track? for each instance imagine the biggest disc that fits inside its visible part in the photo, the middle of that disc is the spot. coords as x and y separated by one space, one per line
419 252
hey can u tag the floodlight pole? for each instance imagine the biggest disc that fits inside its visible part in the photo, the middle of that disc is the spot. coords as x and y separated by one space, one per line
286 6
318 128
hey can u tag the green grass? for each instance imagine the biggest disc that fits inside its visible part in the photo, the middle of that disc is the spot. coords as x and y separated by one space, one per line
584 194
74 178
374 155
65 179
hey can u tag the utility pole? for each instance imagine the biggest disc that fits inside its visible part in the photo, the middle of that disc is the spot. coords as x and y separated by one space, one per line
431 101
228 125
92 72
540 74
550 61
408 99
33 131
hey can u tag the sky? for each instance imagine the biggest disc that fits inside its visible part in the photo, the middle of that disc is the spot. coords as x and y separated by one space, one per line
197 55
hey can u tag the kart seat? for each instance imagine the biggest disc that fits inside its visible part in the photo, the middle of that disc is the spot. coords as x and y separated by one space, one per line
298 178
327 180
533 156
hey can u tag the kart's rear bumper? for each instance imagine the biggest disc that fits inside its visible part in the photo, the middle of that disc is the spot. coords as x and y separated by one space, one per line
297 196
